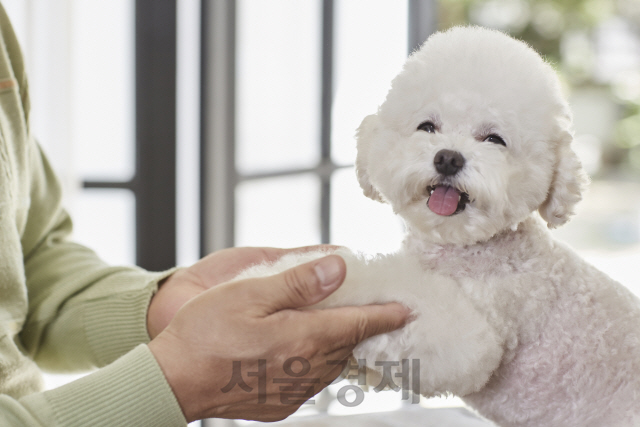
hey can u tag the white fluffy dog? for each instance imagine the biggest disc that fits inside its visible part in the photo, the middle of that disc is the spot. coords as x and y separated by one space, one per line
472 148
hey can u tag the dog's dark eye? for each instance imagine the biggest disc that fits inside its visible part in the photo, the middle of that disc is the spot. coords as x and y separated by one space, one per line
427 127
496 139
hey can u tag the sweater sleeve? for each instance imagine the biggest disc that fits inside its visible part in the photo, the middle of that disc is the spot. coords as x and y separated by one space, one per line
82 312
130 391
70 310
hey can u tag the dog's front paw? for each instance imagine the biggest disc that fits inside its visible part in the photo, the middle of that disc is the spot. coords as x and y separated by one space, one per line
450 347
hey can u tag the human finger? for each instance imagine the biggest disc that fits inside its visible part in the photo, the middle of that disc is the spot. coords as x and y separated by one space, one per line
345 327
300 286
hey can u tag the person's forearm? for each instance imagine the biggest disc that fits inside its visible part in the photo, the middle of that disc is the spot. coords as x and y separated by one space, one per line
83 313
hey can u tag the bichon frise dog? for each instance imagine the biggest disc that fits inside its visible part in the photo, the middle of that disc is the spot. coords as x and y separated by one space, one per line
472 148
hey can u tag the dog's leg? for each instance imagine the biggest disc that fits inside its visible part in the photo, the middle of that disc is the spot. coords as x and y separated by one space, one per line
457 348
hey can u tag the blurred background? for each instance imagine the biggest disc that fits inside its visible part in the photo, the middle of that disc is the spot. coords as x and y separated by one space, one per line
183 127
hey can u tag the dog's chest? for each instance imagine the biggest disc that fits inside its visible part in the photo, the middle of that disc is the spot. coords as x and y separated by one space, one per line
523 252
506 289
507 278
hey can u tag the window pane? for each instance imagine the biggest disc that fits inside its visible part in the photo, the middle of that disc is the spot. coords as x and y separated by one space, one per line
359 222
281 212
188 133
103 88
370 50
104 220
278 84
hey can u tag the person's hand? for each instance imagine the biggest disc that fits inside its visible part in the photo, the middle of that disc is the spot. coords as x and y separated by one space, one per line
210 271
245 322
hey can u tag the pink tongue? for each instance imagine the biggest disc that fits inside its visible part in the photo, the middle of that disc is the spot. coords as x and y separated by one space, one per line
444 200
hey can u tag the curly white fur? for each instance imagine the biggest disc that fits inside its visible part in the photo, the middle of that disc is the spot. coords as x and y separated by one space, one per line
513 321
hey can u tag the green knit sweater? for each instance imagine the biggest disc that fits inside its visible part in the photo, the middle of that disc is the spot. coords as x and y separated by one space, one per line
61 308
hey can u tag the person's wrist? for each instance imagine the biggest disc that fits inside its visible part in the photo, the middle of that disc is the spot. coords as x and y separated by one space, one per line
154 311
173 292
173 363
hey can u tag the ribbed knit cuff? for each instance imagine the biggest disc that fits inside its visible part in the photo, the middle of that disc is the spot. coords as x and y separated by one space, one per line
132 391
117 324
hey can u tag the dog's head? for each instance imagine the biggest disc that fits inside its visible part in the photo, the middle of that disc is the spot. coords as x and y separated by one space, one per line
473 136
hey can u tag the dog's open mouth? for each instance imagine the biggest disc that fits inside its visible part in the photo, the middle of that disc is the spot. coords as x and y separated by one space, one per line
445 200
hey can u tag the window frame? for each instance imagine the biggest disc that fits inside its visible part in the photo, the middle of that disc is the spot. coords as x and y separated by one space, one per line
154 180
219 176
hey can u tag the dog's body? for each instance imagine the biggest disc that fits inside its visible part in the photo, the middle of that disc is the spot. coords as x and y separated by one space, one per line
570 334
471 144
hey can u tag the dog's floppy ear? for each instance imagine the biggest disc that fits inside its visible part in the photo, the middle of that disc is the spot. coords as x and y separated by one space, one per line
567 185
366 133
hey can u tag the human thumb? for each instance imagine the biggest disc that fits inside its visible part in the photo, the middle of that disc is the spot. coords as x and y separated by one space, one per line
305 284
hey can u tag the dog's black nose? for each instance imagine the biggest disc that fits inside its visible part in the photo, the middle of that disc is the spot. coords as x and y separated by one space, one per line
448 162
